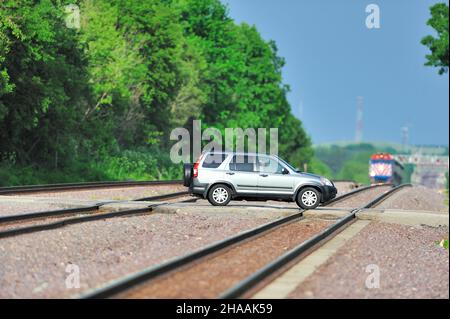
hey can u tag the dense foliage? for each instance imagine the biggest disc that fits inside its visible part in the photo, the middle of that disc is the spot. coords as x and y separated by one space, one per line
99 102
438 46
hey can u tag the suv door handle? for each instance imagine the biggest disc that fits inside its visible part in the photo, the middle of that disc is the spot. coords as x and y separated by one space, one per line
230 173
263 175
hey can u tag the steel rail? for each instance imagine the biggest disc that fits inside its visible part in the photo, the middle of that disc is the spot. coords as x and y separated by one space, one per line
251 281
117 286
75 186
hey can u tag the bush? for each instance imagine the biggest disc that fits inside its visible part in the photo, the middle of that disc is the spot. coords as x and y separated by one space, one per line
129 165
13 175
135 165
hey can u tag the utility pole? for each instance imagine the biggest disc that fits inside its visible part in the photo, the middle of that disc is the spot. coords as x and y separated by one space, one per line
359 119
405 137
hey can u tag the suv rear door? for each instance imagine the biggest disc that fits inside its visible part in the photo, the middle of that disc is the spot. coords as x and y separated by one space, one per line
211 168
242 174
271 179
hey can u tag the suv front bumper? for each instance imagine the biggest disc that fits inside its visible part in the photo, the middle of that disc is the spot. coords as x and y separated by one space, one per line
328 193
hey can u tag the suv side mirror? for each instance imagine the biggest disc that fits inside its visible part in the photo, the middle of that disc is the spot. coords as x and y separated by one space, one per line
284 171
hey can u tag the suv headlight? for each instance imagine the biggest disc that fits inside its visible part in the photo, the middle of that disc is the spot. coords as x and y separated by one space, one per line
326 181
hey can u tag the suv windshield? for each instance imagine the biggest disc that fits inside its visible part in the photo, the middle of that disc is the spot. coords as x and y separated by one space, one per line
288 165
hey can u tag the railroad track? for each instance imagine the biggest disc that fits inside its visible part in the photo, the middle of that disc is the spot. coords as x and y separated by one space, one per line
354 192
139 284
251 281
79 186
92 212
64 216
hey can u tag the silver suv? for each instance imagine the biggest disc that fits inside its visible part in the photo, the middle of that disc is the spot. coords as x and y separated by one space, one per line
220 177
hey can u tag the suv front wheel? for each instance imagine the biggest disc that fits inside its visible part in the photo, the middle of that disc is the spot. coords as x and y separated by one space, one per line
219 195
308 198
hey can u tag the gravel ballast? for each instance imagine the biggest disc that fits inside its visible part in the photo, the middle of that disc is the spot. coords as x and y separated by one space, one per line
213 276
34 265
410 262
416 198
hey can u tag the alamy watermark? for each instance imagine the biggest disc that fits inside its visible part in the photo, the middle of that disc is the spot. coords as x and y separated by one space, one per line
238 140
373 279
72 16
73 277
373 19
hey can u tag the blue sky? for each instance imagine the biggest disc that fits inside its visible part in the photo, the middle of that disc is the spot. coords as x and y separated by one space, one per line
332 58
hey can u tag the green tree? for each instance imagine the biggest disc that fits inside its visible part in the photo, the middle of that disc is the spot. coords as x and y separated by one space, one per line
9 32
243 81
356 169
116 72
105 97
43 84
438 46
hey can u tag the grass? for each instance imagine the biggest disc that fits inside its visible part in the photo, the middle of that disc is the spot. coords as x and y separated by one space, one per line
446 200
443 243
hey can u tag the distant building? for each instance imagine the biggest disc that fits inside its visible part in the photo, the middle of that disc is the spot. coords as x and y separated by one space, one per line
429 170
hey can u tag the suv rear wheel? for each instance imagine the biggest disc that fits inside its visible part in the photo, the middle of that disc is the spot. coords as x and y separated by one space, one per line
219 195
187 175
308 198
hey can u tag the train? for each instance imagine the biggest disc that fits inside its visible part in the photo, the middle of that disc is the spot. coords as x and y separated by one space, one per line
385 169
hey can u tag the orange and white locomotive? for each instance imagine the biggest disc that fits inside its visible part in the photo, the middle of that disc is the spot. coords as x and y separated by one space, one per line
383 168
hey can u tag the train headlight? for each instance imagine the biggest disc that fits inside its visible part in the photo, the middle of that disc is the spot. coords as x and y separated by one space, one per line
326 182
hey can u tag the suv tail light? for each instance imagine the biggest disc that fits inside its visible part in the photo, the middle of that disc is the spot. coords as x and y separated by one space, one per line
196 166
196 169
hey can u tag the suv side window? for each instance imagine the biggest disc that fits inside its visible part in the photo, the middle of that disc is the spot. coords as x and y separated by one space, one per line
243 163
269 165
214 160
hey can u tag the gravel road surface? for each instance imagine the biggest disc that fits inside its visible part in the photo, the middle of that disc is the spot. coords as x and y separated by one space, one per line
9 209
416 198
410 263
34 265
344 187
127 193
46 220
209 278
115 193
362 198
